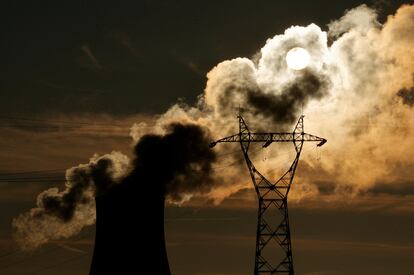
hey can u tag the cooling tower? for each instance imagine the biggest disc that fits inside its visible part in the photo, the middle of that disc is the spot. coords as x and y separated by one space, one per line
130 230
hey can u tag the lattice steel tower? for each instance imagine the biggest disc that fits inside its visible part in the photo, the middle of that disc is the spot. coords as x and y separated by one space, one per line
273 246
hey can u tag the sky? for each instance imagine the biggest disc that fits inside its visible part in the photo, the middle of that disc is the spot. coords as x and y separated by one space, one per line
76 77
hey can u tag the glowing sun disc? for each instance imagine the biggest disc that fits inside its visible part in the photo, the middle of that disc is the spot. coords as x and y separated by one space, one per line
297 58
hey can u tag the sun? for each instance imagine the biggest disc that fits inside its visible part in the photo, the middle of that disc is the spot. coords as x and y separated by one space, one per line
297 58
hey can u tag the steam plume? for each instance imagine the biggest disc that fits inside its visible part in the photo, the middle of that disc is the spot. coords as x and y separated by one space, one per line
178 163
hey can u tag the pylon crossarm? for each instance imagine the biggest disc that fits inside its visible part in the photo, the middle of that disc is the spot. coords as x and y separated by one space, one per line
269 138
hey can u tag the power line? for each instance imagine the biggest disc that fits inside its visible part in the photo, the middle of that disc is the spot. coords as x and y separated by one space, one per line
9 253
65 122
46 251
47 176
32 172
37 124
38 177
40 173
28 257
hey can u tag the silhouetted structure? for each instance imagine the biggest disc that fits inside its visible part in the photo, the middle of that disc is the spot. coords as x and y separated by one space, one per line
273 222
130 229
130 215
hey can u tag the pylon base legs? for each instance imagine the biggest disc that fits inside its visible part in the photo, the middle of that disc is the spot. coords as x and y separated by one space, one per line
273 244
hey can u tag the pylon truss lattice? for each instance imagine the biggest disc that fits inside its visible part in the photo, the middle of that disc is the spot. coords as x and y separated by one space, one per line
272 197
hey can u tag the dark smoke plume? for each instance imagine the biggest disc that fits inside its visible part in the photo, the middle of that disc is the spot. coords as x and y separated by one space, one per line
283 108
64 205
175 164
235 83
407 96
180 161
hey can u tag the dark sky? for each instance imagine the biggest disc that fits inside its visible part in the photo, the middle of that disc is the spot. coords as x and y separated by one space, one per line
89 56
77 57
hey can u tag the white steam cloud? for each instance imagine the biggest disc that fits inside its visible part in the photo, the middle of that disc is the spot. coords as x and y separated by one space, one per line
355 92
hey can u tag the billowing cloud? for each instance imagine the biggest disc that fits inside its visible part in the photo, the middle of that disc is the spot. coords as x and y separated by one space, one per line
348 94
362 19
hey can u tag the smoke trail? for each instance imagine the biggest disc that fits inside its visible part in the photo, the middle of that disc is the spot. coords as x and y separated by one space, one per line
178 162
61 214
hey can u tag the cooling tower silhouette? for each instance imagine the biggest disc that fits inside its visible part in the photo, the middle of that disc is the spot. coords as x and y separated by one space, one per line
130 215
130 229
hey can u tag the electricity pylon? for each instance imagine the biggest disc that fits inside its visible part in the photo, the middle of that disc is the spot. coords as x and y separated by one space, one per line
272 198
